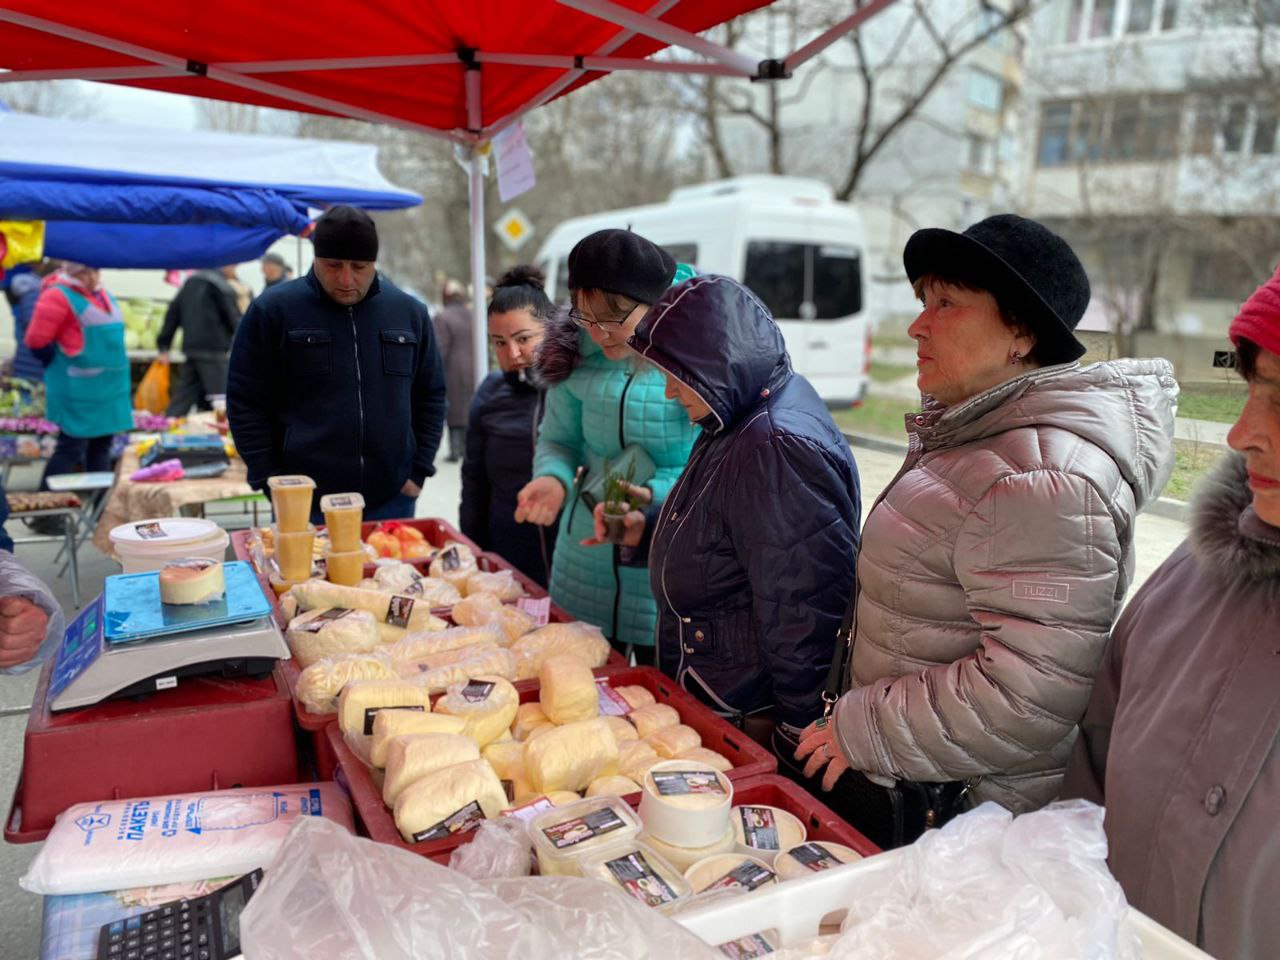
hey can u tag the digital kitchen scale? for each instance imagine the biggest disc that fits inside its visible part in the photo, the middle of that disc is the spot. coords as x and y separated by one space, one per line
127 643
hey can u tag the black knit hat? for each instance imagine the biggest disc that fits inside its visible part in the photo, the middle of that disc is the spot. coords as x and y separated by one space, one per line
345 233
623 262
1031 271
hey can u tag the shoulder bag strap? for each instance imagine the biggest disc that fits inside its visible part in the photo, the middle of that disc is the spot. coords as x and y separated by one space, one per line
840 657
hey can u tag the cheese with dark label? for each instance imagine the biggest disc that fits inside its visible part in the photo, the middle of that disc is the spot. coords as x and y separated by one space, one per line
192 581
487 703
449 800
392 723
360 702
570 757
319 634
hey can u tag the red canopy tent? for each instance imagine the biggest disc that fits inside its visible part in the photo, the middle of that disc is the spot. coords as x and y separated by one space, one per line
464 71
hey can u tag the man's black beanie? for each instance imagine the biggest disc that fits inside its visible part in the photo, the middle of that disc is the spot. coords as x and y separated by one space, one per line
345 233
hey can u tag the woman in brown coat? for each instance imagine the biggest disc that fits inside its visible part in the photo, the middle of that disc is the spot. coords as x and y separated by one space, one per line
1181 741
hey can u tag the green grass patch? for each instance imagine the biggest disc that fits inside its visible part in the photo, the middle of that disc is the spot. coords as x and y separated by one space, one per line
877 416
1219 402
888 372
1191 461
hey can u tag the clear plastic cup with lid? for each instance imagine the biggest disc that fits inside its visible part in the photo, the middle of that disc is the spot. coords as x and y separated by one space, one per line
291 500
343 515
345 567
294 552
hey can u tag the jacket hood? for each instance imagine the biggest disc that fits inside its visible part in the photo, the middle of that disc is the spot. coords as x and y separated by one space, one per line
564 346
23 284
1124 407
713 335
1227 535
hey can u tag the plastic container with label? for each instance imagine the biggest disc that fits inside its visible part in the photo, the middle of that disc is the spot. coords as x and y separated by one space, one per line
343 515
640 872
346 568
682 858
146 545
563 837
294 552
291 500
812 856
763 831
685 803
736 871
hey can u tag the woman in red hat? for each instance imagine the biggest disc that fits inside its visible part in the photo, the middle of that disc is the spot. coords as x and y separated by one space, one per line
1181 741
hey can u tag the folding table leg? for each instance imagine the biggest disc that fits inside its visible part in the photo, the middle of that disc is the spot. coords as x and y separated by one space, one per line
70 524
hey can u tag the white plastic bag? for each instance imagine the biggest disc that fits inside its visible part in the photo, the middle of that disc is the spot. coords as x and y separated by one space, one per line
329 894
499 848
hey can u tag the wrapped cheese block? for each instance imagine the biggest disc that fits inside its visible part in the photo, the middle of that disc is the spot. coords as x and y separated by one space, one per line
394 610
519 789
412 757
539 730
635 695
502 584
497 663
673 741
570 757
563 798
448 658
319 685
448 801
765 831
417 646
528 716
734 871
318 634
360 702
477 609
567 690
507 759
622 729
404 578
615 786
813 856
581 640
487 703
455 562
709 757
392 723
635 757
650 719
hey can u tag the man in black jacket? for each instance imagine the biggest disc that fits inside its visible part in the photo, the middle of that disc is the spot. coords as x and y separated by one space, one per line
206 311
336 375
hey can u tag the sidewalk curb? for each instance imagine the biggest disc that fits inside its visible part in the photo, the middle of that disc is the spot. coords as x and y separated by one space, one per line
1166 507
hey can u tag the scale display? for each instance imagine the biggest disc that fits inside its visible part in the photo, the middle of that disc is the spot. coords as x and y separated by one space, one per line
132 609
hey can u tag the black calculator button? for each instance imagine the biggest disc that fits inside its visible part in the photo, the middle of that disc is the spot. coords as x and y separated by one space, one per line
186 927
115 950
133 955
167 912
133 923
188 949
203 955
203 940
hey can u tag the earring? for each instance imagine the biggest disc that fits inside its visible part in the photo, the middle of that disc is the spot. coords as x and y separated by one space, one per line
1015 359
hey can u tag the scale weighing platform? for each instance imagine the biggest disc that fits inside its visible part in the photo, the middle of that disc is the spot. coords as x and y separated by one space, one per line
127 642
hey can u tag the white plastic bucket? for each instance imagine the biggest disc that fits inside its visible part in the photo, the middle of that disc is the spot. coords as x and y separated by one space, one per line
146 545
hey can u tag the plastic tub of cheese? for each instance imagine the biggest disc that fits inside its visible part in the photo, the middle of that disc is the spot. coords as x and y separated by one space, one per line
685 803
565 836
146 545
639 871
764 831
730 871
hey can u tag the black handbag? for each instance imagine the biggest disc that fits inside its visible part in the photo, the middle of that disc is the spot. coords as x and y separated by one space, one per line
888 816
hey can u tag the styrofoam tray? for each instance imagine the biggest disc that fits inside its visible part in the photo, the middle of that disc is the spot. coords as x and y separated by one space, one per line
795 910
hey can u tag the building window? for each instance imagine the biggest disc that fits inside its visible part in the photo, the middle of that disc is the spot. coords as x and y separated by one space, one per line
1204 126
1075 21
1055 132
1264 129
1220 275
1125 128
1141 16
1103 20
1169 15
986 90
1233 129
982 159
1122 142
1158 128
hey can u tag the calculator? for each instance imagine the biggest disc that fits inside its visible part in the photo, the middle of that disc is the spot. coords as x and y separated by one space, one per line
206 928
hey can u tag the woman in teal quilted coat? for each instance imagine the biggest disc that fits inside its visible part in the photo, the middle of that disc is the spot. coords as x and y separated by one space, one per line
601 401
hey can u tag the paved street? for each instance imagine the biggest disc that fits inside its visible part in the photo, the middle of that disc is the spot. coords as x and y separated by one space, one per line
20 912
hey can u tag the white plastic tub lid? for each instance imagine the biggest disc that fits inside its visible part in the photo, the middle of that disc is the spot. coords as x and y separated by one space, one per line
164 531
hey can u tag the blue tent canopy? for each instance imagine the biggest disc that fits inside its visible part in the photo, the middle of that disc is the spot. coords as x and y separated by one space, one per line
142 197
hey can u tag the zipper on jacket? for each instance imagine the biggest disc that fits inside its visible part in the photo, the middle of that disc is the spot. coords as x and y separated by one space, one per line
617 551
539 401
355 338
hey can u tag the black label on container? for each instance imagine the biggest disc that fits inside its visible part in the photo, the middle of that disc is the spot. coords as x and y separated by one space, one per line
572 832
322 620
637 878
509 788
677 783
477 691
372 712
747 875
460 821
759 829
399 610
450 560
814 856
149 531
746 948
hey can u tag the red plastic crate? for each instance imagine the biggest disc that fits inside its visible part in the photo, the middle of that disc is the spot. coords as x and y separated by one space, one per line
206 734
749 758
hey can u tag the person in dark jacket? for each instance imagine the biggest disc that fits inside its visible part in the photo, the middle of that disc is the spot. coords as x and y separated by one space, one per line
207 312
335 375
455 330
274 270
22 293
752 556
503 428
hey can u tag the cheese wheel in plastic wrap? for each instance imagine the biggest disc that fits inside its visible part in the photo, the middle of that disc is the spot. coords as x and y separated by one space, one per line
635 757
671 742
449 658
317 634
621 727
360 702
709 757
570 757
581 640
507 759
615 786
478 609
650 719
417 646
412 757
497 662
529 716
635 695
501 583
394 610
404 578
455 563
487 703
319 685
448 801
567 690
389 724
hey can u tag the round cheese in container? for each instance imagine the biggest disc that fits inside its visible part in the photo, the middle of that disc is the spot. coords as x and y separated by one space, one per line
192 580
564 836
685 803
729 871
682 858
813 856
765 831
638 871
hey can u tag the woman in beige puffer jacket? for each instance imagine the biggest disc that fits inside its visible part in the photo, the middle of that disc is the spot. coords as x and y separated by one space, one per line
994 564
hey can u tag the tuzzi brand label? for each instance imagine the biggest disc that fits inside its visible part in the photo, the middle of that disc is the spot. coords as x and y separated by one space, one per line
759 829
677 783
1043 591
572 832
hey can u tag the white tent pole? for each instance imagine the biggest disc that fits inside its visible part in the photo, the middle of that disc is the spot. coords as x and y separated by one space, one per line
820 43
607 64
105 74
475 181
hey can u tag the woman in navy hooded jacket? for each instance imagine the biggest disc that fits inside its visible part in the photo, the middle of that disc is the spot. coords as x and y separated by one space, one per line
752 555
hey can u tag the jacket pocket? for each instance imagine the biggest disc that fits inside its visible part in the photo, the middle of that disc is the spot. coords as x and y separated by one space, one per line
310 353
398 350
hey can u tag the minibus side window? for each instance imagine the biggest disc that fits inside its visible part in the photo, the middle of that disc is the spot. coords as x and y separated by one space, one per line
837 282
775 271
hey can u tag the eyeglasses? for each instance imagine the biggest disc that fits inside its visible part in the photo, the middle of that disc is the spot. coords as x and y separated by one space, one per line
585 322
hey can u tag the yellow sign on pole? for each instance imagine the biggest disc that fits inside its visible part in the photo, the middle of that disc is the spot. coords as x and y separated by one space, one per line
513 229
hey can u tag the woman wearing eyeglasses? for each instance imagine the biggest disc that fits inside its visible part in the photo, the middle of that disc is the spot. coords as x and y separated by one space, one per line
603 412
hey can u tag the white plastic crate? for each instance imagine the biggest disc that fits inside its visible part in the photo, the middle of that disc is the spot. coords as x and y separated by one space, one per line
795 910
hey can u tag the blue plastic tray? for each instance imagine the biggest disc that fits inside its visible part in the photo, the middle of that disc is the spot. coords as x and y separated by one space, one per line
132 609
